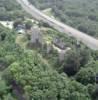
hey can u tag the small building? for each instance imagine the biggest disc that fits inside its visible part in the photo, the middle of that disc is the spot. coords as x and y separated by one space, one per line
20 28
62 53
36 36
59 43
49 48
61 48
21 31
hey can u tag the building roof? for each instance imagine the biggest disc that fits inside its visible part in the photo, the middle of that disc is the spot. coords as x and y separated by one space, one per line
59 43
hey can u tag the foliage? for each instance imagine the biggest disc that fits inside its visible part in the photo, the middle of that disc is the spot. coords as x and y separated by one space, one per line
86 76
5 93
41 82
10 10
38 75
28 24
74 60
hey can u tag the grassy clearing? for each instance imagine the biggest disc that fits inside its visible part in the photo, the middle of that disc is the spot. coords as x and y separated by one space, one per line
21 40
48 12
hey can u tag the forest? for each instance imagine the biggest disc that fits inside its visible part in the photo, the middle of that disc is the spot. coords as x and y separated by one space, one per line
32 73
10 10
38 79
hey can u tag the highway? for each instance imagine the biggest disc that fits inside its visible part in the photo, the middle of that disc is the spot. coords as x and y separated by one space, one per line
89 41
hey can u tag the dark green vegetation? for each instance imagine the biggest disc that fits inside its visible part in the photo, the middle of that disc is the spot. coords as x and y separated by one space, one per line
38 79
32 73
81 14
10 10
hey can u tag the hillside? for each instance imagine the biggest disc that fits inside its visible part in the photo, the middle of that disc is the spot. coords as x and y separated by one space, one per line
37 62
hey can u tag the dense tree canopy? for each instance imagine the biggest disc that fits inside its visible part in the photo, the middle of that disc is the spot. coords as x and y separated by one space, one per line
39 79
10 10
89 76
35 74
40 82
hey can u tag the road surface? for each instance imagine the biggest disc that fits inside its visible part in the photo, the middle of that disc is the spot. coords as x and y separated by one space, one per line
80 36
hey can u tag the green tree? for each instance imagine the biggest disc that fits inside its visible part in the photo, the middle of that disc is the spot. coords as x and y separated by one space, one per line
28 24
40 82
17 22
86 76
72 63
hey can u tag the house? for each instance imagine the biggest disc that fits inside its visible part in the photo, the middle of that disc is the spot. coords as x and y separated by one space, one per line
62 53
61 48
36 36
49 48
20 28
59 43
